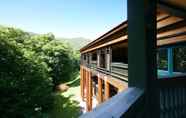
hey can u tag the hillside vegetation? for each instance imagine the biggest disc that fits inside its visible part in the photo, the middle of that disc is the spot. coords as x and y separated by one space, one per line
76 43
31 66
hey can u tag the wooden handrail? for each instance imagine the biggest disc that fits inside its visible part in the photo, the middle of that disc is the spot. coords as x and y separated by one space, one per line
117 106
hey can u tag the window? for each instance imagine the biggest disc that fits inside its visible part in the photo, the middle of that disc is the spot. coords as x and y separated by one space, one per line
162 59
179 59
171 61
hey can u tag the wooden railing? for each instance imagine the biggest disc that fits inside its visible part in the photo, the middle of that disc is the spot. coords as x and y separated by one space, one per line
125 104
172 94
93 64
118 70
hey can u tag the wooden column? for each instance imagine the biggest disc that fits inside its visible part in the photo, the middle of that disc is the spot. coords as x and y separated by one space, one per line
142 51
84 84
108 58
81 82
90 91
98 58
107 90
100 93
87 91
90 59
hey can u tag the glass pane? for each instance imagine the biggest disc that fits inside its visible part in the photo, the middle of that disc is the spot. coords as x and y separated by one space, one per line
162 59
180 59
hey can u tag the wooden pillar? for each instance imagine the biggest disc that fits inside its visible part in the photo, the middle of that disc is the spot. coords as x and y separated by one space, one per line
98 58
84 84
87 92
107 90
100 93
108 58
81 82
90 59
90 91
142 51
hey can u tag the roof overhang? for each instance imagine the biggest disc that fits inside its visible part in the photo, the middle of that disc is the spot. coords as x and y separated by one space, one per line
171 21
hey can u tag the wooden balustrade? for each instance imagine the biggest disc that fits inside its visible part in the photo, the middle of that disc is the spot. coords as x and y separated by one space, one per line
120 105
172 97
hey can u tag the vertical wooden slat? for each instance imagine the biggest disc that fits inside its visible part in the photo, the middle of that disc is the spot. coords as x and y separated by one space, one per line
107 90
100 94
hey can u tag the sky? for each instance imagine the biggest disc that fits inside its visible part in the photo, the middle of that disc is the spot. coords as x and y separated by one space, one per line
64 18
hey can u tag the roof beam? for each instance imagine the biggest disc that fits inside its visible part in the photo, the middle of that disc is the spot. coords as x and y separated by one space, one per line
123 38
172 9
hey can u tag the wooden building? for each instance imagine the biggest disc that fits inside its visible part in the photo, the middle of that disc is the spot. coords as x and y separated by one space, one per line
104 62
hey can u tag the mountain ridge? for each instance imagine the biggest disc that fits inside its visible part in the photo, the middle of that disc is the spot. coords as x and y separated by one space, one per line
77 43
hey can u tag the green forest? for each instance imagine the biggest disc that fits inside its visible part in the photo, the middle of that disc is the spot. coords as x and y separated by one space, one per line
31 66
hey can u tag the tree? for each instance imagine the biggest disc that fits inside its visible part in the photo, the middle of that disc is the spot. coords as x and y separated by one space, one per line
25 87
30 67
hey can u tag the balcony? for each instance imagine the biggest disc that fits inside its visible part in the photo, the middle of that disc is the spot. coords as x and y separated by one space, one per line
131 102
120 105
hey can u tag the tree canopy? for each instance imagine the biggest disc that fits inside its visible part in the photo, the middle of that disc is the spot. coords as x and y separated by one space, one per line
30 68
